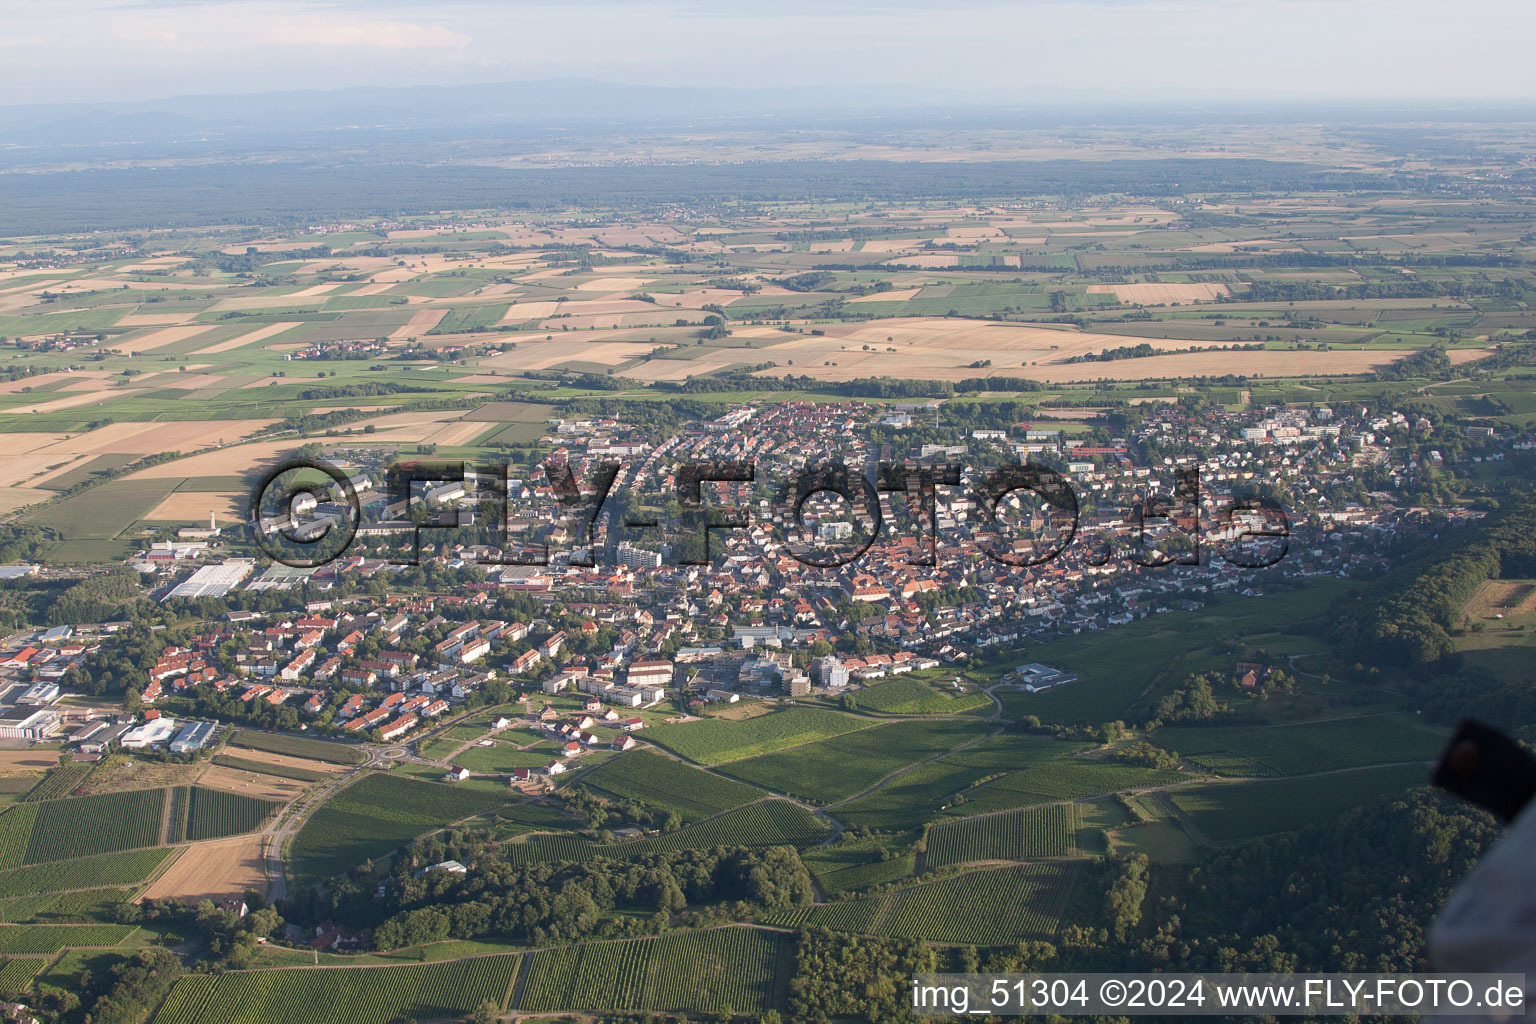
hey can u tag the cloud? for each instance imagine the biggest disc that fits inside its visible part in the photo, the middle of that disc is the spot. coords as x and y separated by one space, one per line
301 30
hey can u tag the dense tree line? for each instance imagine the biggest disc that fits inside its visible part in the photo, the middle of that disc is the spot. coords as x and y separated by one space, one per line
124 993
1405 619
553 902
1416 288
363 389
98 598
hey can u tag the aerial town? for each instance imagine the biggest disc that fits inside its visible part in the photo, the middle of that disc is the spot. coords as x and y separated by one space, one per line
625 627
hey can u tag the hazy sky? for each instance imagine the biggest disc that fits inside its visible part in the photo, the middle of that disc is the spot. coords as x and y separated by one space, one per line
1020 52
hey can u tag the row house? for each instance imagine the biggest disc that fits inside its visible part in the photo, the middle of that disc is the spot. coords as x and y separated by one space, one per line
368 721
399 727
650 673
295 669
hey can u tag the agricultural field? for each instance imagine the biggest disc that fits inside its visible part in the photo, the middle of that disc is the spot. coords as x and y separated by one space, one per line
909 696
466 319
977 908
1116 668
1163 842
17 974
376 814
740 970
372 995
214 814
1304 749
1232 811
54 908
1060 780
54 937
836 769
660 781
282 771
214 870
848 866
14 788
1014 835
719 741
297 746
60 782
111 869
80 826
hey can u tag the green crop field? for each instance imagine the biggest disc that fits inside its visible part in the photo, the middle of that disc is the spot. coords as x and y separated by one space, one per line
908 696
80 905
17 974
1116 667
281 771
60 782
463 319
80 826
1008 771
356 995
660 781
768 823
1299 749
737 970
437 749
83 872
13 788
103 512
1015 835
847 866
836 769
298 746
1226 812
913 798
375 815
1060 780
180 814
51 938
214 814
717 741
977 908
527 816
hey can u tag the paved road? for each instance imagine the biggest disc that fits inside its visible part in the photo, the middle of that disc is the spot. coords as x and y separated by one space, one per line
287 824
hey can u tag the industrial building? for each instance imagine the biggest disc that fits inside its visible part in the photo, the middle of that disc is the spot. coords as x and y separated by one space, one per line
28 722
214 580
151 733
193 736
